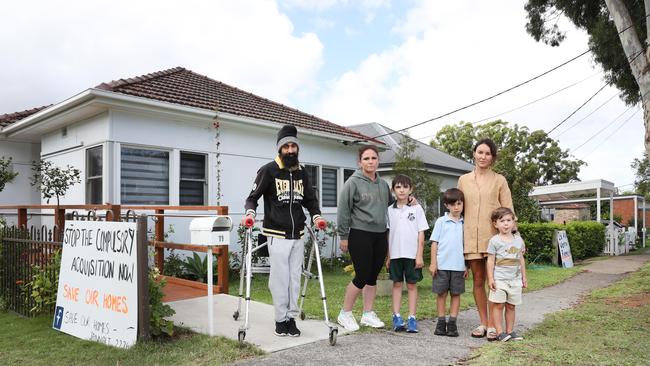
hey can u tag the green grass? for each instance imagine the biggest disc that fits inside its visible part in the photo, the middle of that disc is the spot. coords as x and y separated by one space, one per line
336 280
611 326
34 342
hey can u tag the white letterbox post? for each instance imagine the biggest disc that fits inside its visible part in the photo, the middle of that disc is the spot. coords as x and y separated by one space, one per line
210 231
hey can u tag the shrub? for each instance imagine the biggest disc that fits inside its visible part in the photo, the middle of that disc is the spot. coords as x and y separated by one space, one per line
158 310
44 284
173 265
586 239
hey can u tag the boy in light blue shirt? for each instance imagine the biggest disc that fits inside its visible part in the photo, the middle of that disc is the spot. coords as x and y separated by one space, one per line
448 262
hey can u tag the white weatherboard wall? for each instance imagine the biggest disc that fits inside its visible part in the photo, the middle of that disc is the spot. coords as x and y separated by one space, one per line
19 191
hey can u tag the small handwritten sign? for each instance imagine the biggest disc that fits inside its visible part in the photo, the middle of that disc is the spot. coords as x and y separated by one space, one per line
97 296
562 243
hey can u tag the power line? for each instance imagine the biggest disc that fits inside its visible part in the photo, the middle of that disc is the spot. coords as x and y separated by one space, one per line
527 104
607 125
585 117
500 93
611 134
575 111
537 100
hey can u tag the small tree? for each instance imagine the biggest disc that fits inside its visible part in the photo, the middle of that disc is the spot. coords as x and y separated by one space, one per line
6 175
425 187
642 172
53 181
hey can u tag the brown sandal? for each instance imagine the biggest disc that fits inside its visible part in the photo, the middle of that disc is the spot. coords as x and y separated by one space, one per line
479 332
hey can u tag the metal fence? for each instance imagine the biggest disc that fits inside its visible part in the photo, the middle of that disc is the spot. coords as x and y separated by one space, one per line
22 254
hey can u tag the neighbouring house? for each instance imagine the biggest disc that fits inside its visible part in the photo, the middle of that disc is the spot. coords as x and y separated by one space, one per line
444 167
571 212
160 139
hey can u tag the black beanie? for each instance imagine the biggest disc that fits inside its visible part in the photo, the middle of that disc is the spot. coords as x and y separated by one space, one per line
287 134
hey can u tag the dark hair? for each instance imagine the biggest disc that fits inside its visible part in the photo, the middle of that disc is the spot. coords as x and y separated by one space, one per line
363 149
404 180
490 144
501 212
452 195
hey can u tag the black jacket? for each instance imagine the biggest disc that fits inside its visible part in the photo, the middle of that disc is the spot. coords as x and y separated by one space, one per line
285 193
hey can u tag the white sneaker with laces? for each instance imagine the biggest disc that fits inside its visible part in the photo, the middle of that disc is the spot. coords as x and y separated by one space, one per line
371 319
347 321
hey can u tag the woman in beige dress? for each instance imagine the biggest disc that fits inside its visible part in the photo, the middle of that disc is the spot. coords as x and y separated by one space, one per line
484 191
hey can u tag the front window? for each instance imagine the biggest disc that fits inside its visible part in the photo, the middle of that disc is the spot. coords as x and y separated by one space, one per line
144 177
330 186
312 175
94 175
193 183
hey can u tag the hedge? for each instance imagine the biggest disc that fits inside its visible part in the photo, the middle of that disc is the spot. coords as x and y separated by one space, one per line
586 238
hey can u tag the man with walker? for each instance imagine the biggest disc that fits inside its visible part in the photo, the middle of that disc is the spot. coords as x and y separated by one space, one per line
286 190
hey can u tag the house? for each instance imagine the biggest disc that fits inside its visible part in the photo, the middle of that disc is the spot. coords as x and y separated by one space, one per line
172 137
444 167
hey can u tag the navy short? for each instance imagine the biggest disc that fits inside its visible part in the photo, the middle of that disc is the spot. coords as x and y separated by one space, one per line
404 268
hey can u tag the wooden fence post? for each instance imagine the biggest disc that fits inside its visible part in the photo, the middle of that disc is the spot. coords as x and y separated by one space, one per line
116 213
144 332
223 260
160 236
22 218
59 222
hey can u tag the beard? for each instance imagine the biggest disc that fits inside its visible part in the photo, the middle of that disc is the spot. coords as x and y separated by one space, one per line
289 160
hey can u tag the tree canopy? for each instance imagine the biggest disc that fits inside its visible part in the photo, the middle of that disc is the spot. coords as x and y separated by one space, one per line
425 187
6 174
524 158
642 175
594 17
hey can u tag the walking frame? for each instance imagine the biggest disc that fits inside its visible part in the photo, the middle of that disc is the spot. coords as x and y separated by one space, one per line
247 270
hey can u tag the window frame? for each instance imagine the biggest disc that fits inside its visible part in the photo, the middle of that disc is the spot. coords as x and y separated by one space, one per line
204 180
90 179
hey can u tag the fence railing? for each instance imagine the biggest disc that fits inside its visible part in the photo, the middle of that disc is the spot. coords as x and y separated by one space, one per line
112 212
20 251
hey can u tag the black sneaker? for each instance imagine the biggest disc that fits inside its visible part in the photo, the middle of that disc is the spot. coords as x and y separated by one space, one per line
452 329
441 328
292 329
280 329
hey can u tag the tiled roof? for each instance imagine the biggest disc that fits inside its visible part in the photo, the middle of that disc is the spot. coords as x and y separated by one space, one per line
9 118
186 87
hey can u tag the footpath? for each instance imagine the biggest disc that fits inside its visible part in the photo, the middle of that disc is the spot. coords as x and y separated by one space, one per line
385 347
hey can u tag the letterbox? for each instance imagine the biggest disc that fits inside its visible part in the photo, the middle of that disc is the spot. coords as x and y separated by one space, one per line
212 230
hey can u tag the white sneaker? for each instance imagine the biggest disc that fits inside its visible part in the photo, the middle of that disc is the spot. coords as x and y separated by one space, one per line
347 321
371 319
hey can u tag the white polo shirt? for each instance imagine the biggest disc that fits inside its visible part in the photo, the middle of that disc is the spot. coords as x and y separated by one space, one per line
404 224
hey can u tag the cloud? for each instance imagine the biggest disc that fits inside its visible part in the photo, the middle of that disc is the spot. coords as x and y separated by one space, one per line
456 53
56 49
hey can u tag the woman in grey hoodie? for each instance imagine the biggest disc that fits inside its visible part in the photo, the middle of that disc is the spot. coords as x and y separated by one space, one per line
361 220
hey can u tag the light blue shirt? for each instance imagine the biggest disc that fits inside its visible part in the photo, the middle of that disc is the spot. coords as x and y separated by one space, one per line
449 236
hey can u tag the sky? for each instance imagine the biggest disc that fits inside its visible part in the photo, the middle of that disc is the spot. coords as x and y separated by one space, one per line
397 63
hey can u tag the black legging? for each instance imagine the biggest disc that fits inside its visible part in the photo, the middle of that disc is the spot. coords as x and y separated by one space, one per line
368 252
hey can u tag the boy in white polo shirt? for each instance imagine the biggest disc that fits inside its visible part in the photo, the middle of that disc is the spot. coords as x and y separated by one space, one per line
447 261
406 224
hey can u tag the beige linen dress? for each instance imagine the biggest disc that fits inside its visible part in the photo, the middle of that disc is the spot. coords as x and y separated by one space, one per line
479 204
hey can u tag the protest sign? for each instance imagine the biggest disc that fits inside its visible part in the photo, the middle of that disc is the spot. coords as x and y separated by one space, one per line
97 295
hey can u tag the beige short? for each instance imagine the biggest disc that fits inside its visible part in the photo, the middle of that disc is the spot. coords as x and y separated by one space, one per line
506 291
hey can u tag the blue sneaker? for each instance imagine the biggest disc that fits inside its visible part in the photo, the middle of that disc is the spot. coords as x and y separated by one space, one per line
412 325
398 323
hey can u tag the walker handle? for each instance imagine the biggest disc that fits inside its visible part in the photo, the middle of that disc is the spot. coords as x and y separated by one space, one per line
321 224
249 222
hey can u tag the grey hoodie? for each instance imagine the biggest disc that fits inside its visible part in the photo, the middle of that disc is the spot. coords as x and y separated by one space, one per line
362 205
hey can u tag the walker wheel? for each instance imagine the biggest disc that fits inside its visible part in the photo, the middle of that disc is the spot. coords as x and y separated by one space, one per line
333 333
235 315
302 315
241 336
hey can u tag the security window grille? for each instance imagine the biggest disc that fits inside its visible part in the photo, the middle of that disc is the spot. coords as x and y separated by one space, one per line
144 177
94 175
312 174
193 182
329 187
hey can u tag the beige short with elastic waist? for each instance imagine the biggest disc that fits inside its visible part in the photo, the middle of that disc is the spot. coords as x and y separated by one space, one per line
506 291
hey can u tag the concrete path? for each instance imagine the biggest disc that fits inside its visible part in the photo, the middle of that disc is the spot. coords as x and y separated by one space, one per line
390 348
193 314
